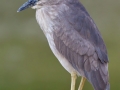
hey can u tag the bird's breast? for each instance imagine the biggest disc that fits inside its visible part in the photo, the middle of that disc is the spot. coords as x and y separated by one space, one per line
47 25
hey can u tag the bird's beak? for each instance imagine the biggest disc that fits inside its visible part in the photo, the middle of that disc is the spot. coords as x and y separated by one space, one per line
27 4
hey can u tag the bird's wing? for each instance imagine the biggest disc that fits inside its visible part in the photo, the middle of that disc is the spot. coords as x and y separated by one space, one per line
80 42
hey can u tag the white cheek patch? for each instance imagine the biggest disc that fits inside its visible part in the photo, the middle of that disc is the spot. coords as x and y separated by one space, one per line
35 7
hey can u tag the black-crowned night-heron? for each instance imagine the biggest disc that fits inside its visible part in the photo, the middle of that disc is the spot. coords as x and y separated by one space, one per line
74 39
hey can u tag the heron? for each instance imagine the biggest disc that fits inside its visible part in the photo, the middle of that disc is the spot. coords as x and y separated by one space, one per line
74 39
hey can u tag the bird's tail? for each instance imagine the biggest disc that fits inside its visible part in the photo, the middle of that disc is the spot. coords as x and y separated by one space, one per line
99 78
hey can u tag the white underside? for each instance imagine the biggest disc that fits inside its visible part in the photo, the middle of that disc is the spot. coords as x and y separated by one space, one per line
46 26
59 56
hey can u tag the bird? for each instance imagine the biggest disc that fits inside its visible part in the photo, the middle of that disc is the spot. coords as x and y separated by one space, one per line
74 39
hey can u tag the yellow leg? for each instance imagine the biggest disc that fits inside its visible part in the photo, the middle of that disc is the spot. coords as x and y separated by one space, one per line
73 80
82 83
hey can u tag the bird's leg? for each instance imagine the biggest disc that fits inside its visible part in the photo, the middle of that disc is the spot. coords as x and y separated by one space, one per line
73 80
82 83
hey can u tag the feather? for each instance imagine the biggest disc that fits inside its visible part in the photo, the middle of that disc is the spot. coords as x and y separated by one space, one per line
74 37
83 46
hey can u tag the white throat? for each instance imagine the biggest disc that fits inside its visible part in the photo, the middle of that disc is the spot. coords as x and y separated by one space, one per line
36 7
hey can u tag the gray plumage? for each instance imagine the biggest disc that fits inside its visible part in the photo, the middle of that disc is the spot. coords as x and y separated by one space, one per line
80 42
73 35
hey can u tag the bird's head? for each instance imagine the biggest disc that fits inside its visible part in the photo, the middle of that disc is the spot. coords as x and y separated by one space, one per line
36 4
29 3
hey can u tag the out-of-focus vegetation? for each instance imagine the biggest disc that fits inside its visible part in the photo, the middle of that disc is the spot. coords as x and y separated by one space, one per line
26 62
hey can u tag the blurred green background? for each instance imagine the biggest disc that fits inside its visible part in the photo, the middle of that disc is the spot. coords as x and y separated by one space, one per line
26 61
